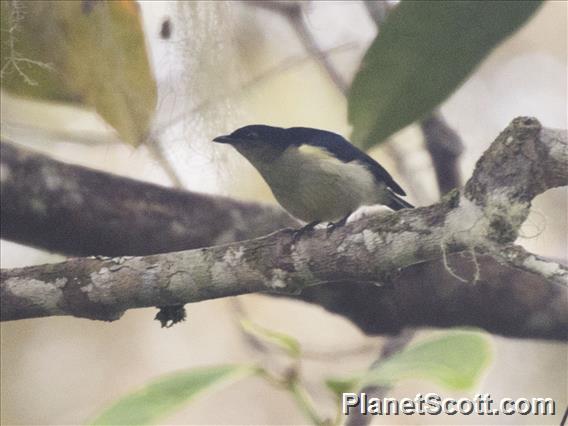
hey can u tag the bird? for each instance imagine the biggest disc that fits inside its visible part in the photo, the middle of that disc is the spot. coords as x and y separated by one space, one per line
316 175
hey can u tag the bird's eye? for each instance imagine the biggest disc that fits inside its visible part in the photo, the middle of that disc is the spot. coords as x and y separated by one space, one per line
252 135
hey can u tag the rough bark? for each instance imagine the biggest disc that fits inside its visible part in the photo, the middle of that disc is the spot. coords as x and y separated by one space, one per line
443 265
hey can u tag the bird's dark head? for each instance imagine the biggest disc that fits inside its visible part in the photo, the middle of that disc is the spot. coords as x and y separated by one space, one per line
253 133
277 136
257 142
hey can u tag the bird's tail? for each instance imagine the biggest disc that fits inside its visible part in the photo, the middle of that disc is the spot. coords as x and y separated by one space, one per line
397 203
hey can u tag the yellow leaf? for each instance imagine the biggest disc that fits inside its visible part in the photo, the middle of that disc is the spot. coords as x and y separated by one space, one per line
94 53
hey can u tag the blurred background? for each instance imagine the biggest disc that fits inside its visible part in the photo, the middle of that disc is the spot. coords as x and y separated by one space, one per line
222 65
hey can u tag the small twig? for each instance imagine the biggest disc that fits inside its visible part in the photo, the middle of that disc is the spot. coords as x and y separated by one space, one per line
255 343
305 402
445 148
298 21
157 151
294 13
292 384
310 354
283 66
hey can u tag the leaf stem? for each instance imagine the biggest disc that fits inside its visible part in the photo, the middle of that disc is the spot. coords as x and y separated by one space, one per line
305 403
291 384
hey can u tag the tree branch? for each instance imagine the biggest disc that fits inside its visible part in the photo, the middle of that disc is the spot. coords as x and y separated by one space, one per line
294 13
79 211
453 243
445 147
504 300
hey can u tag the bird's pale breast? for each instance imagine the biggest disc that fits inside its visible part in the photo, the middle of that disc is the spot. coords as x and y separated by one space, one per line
320 187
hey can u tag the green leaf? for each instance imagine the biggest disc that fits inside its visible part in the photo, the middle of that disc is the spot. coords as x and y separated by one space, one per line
423 52
87 52
455 360
290 345
341 386
165 395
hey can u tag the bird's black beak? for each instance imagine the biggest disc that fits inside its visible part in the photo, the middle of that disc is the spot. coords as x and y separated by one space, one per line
223 139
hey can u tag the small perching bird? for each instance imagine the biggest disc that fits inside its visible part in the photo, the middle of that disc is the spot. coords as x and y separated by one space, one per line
316 175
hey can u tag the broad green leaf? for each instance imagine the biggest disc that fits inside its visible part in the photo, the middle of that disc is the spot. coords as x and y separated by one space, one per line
290 345
165 395
455 360
423 52
87 52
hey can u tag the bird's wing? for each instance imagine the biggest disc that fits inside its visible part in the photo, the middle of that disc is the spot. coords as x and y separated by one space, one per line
346 152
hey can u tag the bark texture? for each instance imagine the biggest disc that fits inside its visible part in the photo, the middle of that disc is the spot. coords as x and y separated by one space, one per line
451 263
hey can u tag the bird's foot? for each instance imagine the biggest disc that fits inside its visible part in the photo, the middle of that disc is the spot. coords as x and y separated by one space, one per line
332 226
299 233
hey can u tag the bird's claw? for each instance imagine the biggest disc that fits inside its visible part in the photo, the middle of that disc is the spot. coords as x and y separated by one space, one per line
332 226
299 233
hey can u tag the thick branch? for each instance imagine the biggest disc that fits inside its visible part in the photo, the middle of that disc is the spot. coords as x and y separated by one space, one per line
524 161
78 211
502 299
512 295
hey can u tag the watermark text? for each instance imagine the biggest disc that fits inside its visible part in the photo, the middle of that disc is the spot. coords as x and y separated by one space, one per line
433 404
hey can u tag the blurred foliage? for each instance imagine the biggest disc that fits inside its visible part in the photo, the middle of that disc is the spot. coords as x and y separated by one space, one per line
91 52
423 52
455 360
289 344
165 395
